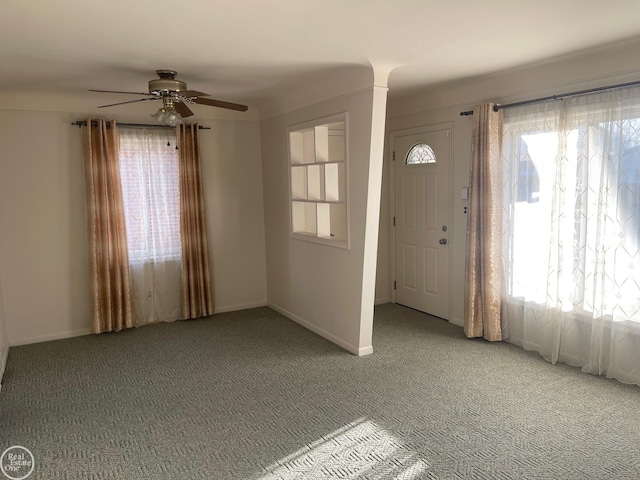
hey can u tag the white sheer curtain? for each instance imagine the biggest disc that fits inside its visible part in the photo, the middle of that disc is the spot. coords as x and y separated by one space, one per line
571 231
150 187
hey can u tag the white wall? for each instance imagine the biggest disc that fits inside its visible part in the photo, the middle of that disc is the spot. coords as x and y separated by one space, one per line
607 65
43 248
327 289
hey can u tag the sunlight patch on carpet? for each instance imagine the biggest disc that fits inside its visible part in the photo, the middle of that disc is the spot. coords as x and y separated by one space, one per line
359 449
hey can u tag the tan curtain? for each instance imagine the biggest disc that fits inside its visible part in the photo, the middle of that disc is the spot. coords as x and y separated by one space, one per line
196 283
109 276
483 285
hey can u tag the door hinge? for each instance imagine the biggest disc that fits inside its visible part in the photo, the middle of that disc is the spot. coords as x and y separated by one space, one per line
394 155
394 284
394 221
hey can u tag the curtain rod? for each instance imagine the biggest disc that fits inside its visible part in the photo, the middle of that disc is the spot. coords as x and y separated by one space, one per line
558 97
81 123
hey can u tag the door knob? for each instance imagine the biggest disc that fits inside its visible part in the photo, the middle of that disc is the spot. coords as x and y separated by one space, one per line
443 241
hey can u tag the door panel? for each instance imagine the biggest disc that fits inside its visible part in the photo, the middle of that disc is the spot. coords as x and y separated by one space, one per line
422 210
409 202
431 198
430 265
409 267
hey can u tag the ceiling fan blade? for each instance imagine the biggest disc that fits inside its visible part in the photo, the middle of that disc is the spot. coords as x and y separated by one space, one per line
191 93
130 101
221 104
182 109
113 91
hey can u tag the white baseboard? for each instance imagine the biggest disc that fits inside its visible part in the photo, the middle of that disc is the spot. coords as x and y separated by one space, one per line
3 364
457 321
15 342
239 306
323 333
87 331
380 301
365 351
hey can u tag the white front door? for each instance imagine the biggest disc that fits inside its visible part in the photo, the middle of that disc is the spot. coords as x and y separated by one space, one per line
421 220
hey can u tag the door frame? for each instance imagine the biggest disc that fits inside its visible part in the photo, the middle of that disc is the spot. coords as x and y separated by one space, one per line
392 140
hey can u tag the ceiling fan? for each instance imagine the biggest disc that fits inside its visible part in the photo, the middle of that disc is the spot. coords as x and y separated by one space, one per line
175 97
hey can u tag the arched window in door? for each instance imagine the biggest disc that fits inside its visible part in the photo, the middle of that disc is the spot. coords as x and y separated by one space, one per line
420 153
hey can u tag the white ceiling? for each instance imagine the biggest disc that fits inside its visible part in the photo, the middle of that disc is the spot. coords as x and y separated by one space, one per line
248 51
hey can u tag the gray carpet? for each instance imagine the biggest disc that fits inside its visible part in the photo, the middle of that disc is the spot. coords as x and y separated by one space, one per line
252 395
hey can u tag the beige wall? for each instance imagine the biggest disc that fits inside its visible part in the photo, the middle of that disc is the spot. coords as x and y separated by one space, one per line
42 249
42 253
322 287
232 178
4 340
599 67
384 276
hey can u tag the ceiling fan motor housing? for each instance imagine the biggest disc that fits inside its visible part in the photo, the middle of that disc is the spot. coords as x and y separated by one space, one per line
166 84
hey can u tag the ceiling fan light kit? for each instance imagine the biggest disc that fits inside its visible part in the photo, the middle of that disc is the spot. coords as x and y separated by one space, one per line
167 116
175 97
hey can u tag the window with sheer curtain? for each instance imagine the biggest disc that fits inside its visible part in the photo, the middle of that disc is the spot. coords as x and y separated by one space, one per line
571 231
149 171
